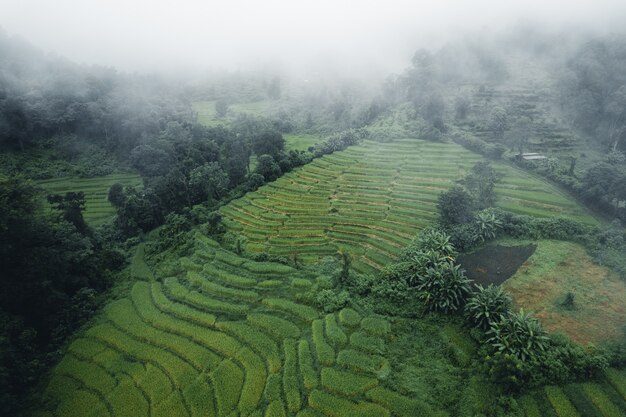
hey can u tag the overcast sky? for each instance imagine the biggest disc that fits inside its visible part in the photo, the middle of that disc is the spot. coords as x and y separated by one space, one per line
147 35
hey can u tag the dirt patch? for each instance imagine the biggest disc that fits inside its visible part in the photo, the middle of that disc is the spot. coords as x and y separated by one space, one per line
494 264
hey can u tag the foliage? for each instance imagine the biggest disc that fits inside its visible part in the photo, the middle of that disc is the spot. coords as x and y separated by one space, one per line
519 335
487 306
443 287
268 168
455 206
330 300
481 183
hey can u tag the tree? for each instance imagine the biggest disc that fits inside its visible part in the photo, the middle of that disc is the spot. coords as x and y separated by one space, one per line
150 161
116 195
455 206
236 156
71 205
481 184
268 142
208 181
462 106
443 287
221 108
268 168
498 121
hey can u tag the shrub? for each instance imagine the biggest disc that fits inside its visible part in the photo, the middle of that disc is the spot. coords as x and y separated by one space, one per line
305 360
443 287
346 383
350 318
519 335
333 332
325 353
487 306
331 300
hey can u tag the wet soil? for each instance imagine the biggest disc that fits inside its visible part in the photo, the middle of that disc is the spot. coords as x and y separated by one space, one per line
494 264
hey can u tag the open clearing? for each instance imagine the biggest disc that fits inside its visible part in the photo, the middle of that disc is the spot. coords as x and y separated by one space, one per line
371 200
98 210
556 268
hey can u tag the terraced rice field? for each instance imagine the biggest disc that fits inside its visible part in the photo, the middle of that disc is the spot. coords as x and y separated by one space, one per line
98 210
603 399
223 337
371 200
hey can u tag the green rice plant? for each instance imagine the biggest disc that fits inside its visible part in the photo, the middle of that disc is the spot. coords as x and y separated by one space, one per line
155 383
227 277
201 301
305 360
398 404
83 403
333 406
575 394
124 316
308 412
200 398
212 288
175 288
274 326
375 326
361 362
257 340
349 318
179 372
290 376
334 334
346 383
270 283
228 381
180 311
89 374
61 387
325 353
273 388
362 341
127 400
601 400
138 267
255 377
618 380
275 409
561 405
304 313
86 347
229 258
189 265
529 406
173 405
301 283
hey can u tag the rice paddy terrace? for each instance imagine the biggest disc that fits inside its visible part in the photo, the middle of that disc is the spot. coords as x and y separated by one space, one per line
98 210
604 399
370 200
220 335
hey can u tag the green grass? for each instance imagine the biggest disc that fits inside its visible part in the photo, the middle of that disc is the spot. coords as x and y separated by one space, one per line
300 142
98 210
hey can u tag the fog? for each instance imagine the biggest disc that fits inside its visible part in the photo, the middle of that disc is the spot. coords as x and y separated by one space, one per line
352 38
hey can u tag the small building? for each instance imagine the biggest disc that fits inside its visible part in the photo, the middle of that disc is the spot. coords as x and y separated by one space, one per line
531 156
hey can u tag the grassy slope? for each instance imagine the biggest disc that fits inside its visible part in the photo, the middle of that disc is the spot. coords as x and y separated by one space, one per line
224 335
555 269
97 208
371 199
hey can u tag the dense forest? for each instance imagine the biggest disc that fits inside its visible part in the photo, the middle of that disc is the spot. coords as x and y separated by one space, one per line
566 103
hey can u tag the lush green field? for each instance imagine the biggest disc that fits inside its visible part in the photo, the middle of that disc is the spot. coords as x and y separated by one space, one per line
208 117
298 142
224 336
558 268
370 200
98 210
606 398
